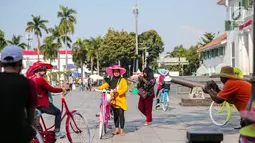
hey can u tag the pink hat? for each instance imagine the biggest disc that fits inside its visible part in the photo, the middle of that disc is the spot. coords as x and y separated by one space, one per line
109 70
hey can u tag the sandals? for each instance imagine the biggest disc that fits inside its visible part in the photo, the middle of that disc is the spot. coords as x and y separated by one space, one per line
115 133
121 133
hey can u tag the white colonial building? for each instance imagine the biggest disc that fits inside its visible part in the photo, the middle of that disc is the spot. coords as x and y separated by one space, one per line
235 47
31 56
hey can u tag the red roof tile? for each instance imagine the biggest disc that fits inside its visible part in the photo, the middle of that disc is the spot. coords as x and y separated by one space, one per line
216 41
219 2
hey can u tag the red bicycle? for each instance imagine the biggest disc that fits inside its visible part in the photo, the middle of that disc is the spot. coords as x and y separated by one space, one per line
74 122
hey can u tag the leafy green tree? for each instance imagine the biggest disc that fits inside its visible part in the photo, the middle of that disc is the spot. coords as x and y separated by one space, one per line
207 38
96 44
16 40
67 21
50 49
37 25
3 42
58 38
79 51
91 54
179 51
154 44
118 46
193 59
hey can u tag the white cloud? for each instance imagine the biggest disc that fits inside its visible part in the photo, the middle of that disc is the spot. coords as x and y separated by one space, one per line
191 30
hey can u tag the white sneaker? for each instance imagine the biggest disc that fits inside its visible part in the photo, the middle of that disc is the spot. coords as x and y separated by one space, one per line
59 135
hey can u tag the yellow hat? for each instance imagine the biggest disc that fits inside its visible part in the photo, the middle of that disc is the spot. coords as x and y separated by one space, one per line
228 72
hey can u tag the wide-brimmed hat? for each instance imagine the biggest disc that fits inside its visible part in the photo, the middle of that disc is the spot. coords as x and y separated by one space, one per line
228 72
109 70
37 66
163 72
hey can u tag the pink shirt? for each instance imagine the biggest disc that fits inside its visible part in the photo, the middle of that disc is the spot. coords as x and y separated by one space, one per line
161 78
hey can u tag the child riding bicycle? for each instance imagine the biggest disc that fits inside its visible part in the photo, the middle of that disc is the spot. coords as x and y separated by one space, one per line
163 73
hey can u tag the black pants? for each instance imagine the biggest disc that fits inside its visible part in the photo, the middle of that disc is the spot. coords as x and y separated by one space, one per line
119 118
157 95
53 110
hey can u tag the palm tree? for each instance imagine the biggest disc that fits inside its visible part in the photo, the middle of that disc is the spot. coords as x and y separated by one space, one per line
67 21
16 40
3 42
58 37
96 45
49 49
91 53
79 52
36 25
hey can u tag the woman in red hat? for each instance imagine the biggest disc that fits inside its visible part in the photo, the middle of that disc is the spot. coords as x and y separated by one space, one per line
37 73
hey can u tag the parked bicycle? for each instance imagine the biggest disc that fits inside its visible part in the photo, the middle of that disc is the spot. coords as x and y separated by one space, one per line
75 122
104 114
223 113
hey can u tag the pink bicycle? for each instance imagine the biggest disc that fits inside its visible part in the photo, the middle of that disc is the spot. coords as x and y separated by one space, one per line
104 114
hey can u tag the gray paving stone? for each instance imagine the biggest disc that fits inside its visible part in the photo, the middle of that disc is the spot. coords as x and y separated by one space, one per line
167 127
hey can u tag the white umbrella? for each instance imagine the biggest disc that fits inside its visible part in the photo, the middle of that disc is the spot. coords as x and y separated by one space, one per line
96 77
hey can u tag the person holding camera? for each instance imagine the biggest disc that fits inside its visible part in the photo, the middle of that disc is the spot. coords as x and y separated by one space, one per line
146 84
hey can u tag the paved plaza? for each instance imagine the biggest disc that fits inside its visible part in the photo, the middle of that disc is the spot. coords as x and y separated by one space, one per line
167 127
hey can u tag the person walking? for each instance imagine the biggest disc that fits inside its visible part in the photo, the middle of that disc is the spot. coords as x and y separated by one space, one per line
119 103
147 83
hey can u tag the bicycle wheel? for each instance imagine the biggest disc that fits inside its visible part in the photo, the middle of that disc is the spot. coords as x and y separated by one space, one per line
38 138
101 126
165 102
220 114
79 125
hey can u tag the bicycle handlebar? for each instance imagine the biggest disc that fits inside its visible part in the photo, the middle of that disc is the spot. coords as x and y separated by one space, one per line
103 91
65 93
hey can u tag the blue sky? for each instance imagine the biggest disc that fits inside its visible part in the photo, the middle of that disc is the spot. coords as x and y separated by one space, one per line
177 21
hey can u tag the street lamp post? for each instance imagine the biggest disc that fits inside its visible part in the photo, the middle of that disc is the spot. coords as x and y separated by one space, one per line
252 98
136 12
129 66
29 40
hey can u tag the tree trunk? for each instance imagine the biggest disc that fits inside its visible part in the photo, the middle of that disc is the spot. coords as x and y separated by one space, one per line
98 65
91 64
82 72
38 48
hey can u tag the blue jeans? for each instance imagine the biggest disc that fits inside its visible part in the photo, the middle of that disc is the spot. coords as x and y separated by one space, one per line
53 110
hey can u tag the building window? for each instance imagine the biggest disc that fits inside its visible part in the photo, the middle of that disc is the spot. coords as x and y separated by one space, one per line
213 53
233 54
209 54
205 56
221 51
216 52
